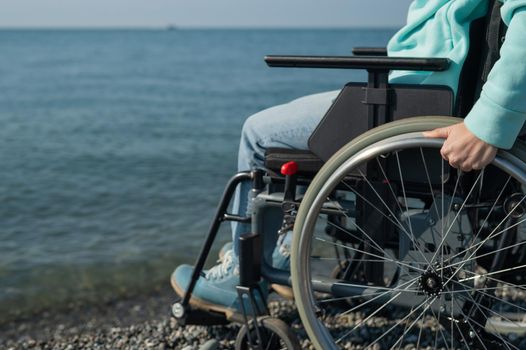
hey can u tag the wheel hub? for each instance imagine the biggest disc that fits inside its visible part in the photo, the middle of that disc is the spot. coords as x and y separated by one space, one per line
431 283
514 205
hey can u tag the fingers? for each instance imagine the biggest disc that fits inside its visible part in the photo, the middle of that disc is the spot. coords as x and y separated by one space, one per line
442 133
456 163
462 149
464 164
467 166
477 165
444 153
476 161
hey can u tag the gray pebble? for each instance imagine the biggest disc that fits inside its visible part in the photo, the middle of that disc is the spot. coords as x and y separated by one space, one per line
210 345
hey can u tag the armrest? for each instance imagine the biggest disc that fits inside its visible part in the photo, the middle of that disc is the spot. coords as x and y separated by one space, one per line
369 51
363 62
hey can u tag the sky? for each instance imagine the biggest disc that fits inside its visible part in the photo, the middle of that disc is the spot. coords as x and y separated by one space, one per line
203 13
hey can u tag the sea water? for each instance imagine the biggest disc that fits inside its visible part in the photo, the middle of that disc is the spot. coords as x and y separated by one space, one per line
115 147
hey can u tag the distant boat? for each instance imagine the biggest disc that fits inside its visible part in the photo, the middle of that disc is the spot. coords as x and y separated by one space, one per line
171 27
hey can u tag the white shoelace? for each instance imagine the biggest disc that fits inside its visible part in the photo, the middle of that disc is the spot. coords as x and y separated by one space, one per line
227 266
284 250
284 244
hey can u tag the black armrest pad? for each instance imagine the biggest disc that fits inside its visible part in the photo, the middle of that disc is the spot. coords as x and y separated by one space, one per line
308 162
369 51
360 62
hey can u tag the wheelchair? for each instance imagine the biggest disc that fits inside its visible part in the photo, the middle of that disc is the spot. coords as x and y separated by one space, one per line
387 234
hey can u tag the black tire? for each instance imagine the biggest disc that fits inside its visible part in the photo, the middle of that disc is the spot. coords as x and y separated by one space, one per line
276 334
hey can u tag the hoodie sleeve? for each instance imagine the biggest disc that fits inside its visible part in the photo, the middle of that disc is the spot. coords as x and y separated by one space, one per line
498 115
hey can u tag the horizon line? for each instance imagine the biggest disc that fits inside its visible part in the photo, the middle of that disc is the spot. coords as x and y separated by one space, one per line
176 27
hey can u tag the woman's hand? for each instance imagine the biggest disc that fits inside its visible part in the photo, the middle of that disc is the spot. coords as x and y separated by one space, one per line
462 149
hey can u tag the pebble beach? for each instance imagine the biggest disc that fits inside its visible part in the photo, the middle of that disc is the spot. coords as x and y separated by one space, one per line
144 322
135 322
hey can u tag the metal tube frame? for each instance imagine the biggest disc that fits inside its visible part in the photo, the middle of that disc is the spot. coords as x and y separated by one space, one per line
220 216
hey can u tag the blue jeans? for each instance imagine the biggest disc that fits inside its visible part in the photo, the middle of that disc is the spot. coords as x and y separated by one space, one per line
286 126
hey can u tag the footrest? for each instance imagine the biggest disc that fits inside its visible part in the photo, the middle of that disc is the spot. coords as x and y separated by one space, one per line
198 317
308 163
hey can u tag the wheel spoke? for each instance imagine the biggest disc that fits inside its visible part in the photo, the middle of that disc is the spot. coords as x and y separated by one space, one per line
398 223
456 216
376 246
420 332
464 338
369 253
412 236
392 218
473 239
475 289
521 287
493 235
389 290
405 318
492 311
363 231
439 326
481 291
374 313
452 324
361 296
270 341
367 318
494 272
483 255
388 182
442 181
408 328
321 258
478 305
475 333
401 339
429 180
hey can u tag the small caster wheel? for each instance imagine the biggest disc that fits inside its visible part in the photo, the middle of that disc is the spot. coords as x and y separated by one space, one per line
275 334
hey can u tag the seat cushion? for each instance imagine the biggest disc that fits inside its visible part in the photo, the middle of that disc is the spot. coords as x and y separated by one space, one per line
308 163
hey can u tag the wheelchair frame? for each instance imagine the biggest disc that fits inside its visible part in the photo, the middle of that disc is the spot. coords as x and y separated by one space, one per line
280 199
255 266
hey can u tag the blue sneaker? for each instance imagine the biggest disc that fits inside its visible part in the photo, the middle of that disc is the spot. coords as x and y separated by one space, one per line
281 260
216 290
281 254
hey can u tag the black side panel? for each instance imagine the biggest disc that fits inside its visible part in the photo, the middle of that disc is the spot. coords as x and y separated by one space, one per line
496 32
347 117
470 75
486 38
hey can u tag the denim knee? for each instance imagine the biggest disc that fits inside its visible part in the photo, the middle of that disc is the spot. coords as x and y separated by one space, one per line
251 149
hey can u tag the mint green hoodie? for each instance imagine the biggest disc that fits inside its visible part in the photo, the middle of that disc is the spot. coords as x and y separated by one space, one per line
440 28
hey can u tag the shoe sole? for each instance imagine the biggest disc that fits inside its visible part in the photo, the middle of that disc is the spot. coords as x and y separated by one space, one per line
283 291
230 314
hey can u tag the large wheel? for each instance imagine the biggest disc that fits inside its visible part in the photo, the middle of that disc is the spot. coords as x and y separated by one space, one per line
442 252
